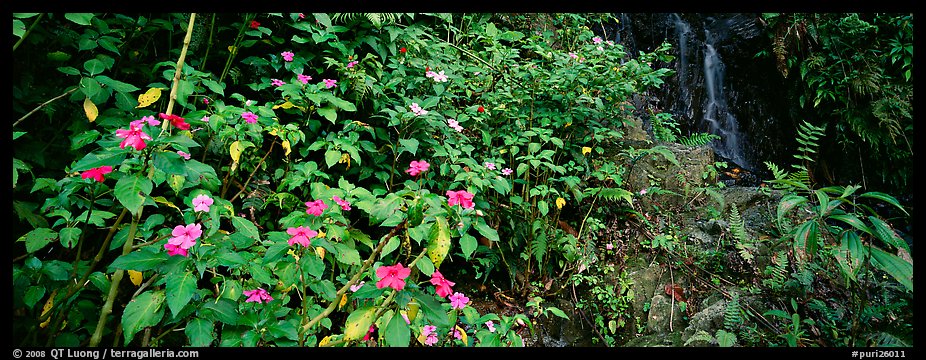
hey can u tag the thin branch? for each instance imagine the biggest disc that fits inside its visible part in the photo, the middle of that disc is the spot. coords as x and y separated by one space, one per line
251 176
34 23
43 105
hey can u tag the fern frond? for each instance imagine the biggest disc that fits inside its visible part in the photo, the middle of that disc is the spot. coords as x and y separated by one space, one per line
733 315
883 339
777 271
738 229
700 335
698 139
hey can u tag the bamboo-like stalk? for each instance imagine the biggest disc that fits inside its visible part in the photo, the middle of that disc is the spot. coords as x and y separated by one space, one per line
114 287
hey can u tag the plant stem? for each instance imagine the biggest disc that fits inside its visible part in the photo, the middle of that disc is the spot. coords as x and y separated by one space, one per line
66 93
177 70
34 23
114 286
251 176
234 50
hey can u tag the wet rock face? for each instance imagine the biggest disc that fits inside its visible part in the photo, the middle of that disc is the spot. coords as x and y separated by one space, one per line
752 92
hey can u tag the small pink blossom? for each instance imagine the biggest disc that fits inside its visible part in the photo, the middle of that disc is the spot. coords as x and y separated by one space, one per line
573 55
609 246
456 334
416 167
490 325
352 63
369 334
417 109
206 100
507 171
490 165
357 286
185 236
175 120
643 192
205 119
458 300
441 284
134 137
345 205
249 117
183 154
301 235
97 173
315 207
454 125
277 82
258 295
301 16
329 83
150 120
287 55
596 40
431 340
304 78
202 202
600 48
176 250
407 321
392 276
427 330
462 197
437 77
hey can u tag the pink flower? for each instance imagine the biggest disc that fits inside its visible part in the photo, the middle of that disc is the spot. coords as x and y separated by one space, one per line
428 330
438 77
357 286
408 322
304 79
150 120
392 276
249 117
205 119
417 167
277 82
301 16
301 235
600 48
184 155
458 300
329 83
454 125
609 246
206 101
417 109
369 334
490 166
490 325
258 295
457 335
202 202
288 55
596 40
573 55
344 204
507 171
134 137
643 192
175 250
462 197
443 285
185 236
315 207
97 173
431 340
351 64
175 120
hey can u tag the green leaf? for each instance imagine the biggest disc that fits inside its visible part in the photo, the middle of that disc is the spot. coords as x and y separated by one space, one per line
884 197
725 339
486 230
358 323
806 238
556 311
851 254
259 273
246 227
410 145
468 245
19 28
94 66
180 289
433 312
90 87
787 203
33 295
332 157
397 331
116 85
543 207
898 268
851 220
439 241
329 112
200 332
347 254
214 86
38 239
884 232
140 260
144 311
169 162
223 310
323 19
425 265
131 191
79 18
69 236
95 160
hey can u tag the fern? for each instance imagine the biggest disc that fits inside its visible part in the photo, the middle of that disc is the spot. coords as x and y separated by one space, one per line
700 335
807 136
733 315
538 244
741 238
778 271
698 139
883 339
377 19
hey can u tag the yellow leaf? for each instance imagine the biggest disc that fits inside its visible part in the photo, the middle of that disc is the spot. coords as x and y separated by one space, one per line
135 276
287 147
286 105
358 323
462 334
235 152
586 150
293 253
320 251
412 310
149 97
162 200
45 309
90 109
343 301
321 234
272 131
325 341
345 158
560 202
232 49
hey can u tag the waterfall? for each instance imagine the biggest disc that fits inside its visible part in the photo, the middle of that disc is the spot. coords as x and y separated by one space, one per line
719 120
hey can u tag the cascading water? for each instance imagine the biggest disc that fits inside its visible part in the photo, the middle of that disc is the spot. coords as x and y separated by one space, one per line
717 117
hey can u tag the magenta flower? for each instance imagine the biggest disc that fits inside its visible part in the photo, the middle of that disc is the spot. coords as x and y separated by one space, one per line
315 207
206 101
277 82
357 286
185 236
150 120
490 325
609 246
175 120
301 16
183 154
370 332
437 77
457 335
458 300
507 171
249 117
427 330
329 83
462 197
454 125
288 55
304 79
490 166
205 119
175 250
202 202
573 55
134 137
97 173
596 40
301 235
442 284
417 167
431 340
352 63
392 276
345 205
258 295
